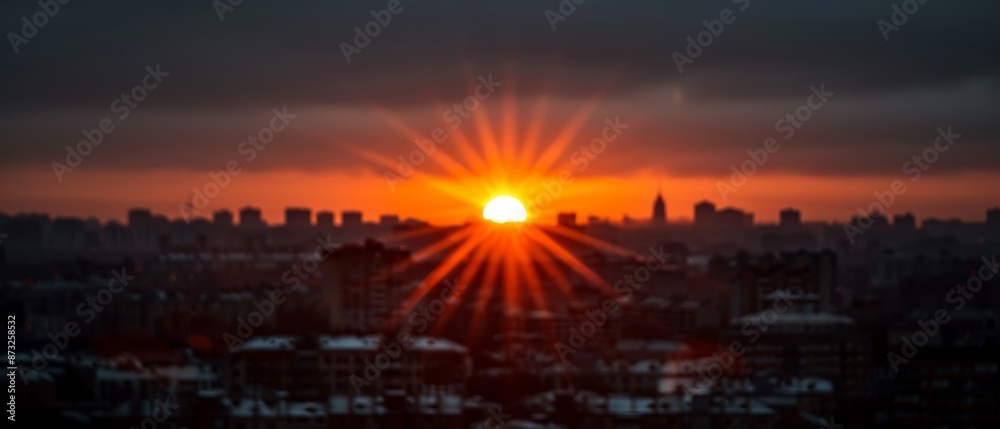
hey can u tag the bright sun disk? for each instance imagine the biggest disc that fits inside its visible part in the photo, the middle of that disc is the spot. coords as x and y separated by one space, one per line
505 209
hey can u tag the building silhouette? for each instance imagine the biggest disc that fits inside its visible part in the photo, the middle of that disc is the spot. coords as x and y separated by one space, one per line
324 219
813 317
363 285
993 216
790 218
907 220
659 210
566 219
704 214
297 217
350 219
250 218
139 218
730 217
389 220
223 218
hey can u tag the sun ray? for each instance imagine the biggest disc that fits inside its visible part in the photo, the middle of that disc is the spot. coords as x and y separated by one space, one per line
564 256
448 241
375 157
441 270
466 276
408 234
548 265
454 190
532 281
484 295
510 274
508 127
491 151
478 258
517 264
534 133
468 152
589 241
571 130
450 165
558 146
396 124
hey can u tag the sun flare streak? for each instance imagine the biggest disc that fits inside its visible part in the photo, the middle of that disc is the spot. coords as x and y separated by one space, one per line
503 259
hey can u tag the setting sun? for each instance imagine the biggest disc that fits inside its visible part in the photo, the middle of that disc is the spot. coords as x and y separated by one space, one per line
505 209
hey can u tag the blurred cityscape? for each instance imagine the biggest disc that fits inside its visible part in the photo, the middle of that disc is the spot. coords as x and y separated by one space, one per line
327 321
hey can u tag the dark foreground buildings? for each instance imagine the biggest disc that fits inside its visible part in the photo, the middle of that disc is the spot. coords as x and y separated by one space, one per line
794 325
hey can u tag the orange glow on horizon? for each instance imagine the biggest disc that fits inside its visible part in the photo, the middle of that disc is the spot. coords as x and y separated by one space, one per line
513 154
509 254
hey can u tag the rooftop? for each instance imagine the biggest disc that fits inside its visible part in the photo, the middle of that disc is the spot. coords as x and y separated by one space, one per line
347 342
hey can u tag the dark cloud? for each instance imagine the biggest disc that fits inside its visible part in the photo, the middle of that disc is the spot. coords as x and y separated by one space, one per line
940 68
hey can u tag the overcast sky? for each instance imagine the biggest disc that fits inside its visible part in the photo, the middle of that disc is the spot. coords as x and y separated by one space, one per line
940 68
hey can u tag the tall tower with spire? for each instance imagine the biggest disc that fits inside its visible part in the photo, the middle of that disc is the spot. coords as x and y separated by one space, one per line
659 209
